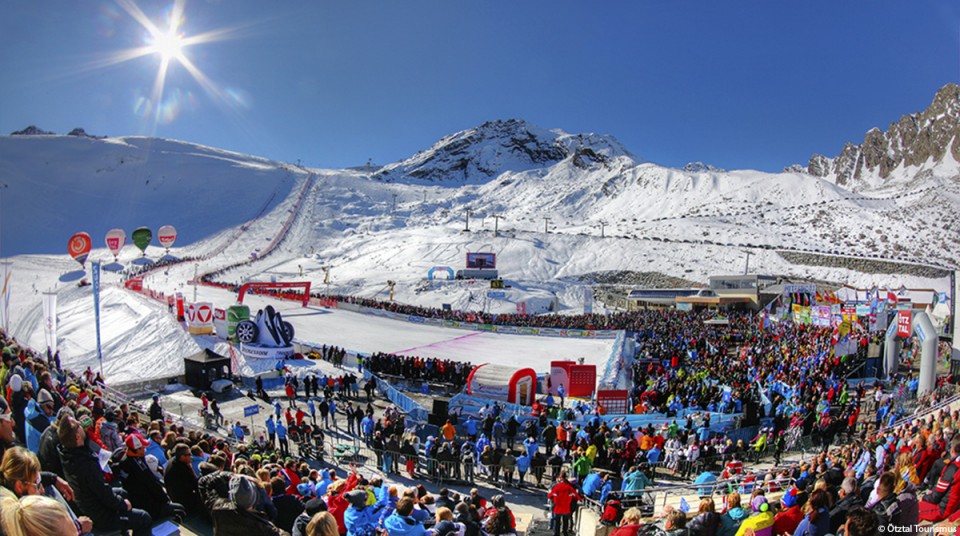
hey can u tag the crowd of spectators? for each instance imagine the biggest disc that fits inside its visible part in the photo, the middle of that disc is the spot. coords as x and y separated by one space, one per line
780 373
89 466
888 481
419 368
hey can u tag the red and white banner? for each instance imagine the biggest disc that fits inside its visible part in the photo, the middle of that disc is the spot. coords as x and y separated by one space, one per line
199 318
904 319
220 322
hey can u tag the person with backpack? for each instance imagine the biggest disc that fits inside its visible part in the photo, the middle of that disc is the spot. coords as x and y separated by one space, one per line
612 513
562 496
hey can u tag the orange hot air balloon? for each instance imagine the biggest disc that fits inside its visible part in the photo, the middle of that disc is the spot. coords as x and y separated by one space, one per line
79 247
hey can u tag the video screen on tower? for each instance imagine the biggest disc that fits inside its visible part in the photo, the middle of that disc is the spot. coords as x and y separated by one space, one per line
481 261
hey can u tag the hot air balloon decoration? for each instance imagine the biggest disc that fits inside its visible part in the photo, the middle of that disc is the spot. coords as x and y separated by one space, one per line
141 239
116 239
167 235
79 247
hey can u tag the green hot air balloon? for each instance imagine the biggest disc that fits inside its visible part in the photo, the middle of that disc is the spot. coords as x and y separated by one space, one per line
141 238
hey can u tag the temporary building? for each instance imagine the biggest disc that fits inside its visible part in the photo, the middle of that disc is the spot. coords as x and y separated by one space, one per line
205 367
498 382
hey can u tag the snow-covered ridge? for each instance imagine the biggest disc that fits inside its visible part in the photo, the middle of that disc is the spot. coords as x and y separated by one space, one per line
59 185
476 155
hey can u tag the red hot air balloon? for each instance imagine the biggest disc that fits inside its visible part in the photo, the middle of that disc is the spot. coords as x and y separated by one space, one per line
79 247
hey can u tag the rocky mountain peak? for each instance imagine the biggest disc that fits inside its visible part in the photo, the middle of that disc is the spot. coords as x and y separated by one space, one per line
910 142
32 130
481 153
700 167
81 133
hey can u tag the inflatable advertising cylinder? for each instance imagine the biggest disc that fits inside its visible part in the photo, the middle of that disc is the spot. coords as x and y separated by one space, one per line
235 315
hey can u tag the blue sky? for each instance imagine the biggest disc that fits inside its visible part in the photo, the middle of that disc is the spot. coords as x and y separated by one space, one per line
738 84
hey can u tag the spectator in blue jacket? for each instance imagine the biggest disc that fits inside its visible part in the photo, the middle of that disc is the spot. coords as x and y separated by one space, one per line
359 518
523 465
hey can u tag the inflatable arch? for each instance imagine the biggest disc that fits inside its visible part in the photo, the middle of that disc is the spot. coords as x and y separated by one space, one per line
517 386
922 328
447 269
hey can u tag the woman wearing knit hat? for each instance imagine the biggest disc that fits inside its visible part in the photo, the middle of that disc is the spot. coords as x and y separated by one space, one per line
237 515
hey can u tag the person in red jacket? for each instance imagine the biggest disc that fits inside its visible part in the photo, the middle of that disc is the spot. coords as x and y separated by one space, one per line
562 496
925 456
944 500
337 504
291 395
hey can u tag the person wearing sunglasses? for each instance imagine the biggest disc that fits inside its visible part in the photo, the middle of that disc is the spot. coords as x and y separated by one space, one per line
8 440
20 476
39 416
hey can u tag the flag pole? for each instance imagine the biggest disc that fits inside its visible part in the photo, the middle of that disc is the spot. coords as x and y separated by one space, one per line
95 268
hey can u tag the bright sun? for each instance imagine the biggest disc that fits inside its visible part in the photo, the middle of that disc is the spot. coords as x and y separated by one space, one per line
168 45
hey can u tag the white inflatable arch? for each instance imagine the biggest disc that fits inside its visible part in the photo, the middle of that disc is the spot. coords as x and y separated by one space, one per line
921 328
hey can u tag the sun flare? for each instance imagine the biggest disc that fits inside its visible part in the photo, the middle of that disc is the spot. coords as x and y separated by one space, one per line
168 45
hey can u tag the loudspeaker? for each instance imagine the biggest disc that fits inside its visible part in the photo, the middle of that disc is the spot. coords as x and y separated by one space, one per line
441 408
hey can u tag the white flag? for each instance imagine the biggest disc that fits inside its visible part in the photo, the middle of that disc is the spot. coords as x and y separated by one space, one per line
50 320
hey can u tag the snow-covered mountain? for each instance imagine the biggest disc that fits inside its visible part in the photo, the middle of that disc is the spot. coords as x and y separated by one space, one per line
560 210
495 147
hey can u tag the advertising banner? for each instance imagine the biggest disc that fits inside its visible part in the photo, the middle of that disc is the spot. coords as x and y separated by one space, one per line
179 300
220 322
822 316
799 289
801 314
904 319
235 315
199 318
481 261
